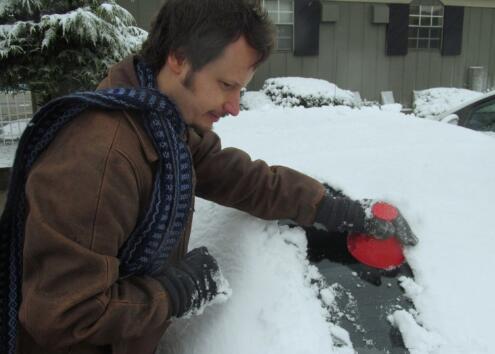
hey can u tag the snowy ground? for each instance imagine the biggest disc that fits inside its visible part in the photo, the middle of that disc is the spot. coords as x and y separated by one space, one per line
7 153
12 131
441 177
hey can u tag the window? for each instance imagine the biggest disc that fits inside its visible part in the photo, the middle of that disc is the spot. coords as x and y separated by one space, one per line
282 14
483 118
425 26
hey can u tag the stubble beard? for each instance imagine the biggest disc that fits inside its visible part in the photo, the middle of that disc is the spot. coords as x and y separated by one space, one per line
187 83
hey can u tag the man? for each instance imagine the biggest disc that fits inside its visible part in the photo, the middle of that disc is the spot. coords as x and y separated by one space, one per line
109 184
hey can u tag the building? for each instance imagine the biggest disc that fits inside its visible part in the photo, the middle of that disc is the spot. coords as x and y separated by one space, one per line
372 46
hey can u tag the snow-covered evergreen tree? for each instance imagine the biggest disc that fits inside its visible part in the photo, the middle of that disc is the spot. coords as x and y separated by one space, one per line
56 46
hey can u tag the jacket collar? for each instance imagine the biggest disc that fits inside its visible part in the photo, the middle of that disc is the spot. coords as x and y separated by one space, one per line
121 74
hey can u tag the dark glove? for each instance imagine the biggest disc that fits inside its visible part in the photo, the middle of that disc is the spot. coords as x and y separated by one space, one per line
192 282
333 192
341 214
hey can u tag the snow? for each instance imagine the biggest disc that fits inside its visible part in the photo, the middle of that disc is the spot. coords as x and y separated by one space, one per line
416 338
295 91
256 100
433 102
31 5
7 153
411 288
13 130
110 24
391 107
116 14
439 175
28 5
308 86
273 308
9 32
81 22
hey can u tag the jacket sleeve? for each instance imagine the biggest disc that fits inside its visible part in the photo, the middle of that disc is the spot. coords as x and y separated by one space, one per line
83 197
229 177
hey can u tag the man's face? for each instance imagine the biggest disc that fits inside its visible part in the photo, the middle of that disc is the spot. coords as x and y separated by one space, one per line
204 96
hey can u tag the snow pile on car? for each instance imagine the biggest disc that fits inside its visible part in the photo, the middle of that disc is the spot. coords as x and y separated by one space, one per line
433 102
306 92
425 168
274 306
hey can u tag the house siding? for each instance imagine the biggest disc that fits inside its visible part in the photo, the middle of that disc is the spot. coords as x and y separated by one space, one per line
352 54
143 11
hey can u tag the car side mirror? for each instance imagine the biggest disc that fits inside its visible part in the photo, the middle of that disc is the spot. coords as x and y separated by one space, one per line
450 119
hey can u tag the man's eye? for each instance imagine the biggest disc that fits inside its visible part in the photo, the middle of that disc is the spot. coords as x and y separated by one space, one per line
226 85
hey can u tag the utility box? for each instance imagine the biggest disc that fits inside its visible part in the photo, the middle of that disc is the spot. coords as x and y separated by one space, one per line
381 14
330 13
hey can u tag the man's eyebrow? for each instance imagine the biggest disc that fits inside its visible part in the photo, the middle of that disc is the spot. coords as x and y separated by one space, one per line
235 83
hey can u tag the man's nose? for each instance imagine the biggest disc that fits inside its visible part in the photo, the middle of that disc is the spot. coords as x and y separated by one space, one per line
232 106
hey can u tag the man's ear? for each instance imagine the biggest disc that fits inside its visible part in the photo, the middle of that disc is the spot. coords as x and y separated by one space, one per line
176 61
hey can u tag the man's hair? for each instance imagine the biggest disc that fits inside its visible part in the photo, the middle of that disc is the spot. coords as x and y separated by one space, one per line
199 30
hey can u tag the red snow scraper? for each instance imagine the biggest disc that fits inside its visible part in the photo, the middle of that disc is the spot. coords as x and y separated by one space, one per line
384 254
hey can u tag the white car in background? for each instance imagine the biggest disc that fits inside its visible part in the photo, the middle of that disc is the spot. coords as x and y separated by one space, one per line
477 114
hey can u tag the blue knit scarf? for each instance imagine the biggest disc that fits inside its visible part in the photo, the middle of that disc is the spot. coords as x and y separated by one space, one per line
147 248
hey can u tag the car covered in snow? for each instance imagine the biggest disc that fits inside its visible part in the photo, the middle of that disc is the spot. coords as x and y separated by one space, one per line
297 290
477 114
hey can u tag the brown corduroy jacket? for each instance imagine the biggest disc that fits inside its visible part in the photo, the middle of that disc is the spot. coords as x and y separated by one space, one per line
87 192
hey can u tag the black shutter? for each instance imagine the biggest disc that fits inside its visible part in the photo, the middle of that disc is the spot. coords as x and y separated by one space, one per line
453 22
307 15
397 29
